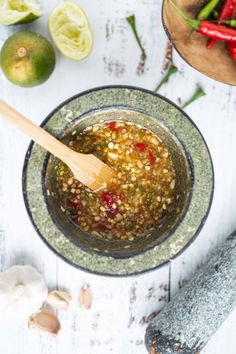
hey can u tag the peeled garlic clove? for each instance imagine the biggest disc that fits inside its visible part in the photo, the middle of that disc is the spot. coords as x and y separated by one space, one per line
85 299
59 299
44 321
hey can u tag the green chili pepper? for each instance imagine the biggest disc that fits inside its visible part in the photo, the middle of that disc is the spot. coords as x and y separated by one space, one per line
207 10
148 198
215 14
231 23
132 22
172 70
102 144
133 190
198 93
130 226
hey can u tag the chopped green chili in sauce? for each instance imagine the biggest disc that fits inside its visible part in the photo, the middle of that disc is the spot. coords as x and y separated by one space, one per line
137 199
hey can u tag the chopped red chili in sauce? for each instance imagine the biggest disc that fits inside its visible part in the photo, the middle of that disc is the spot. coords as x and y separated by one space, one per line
112 126
140 146
151 157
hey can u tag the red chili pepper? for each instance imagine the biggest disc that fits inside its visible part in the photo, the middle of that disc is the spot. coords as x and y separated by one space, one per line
232 49
109 199
70 203
208 29
218 32
102 226
112 126
151 157
74 217
228 9
141 146
75 202
227 12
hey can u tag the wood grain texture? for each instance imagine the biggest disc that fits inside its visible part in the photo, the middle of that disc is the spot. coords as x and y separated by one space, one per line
121 307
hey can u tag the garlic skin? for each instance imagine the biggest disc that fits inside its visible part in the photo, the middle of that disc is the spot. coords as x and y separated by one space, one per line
85 299
59 299
44 321
22 291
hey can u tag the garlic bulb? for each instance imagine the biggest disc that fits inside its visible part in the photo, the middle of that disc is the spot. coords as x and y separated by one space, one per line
22 291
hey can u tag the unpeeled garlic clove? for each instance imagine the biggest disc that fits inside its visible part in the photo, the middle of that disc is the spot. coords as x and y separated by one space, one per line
59 299
85 299
44 321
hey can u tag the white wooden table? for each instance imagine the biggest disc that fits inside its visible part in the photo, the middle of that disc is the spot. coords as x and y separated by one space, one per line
121 307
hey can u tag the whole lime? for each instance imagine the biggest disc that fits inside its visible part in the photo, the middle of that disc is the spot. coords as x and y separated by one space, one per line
27 59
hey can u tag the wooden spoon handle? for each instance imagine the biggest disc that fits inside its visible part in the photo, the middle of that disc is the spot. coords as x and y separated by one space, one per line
36 133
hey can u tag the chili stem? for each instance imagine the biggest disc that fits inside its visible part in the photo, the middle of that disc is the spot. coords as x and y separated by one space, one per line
194 24
197 94
132 22
172 70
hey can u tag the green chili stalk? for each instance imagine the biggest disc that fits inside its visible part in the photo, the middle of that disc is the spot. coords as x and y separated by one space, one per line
198 93
171 71
194 24
132 22
207 10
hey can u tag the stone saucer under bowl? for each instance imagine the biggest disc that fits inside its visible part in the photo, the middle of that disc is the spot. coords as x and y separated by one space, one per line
194 182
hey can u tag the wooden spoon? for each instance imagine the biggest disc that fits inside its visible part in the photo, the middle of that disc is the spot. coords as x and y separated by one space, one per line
87 168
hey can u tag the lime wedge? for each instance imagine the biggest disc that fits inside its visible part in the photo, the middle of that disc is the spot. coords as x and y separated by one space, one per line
70 30
15 12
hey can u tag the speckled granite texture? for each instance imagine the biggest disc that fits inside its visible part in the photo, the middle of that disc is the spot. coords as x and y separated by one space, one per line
179 125
187 323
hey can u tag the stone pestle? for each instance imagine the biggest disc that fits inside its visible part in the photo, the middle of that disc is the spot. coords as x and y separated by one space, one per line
187 323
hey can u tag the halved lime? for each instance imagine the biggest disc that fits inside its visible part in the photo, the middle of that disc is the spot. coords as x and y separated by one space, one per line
70 30
15 12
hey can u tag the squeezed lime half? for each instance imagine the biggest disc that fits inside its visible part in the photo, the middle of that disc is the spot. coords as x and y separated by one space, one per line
15 12
71 31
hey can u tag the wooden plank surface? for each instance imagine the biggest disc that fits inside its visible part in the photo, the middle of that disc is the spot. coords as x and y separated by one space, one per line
121 307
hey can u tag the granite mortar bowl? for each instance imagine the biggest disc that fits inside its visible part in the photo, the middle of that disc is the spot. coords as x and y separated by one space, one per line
194 182
120 248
